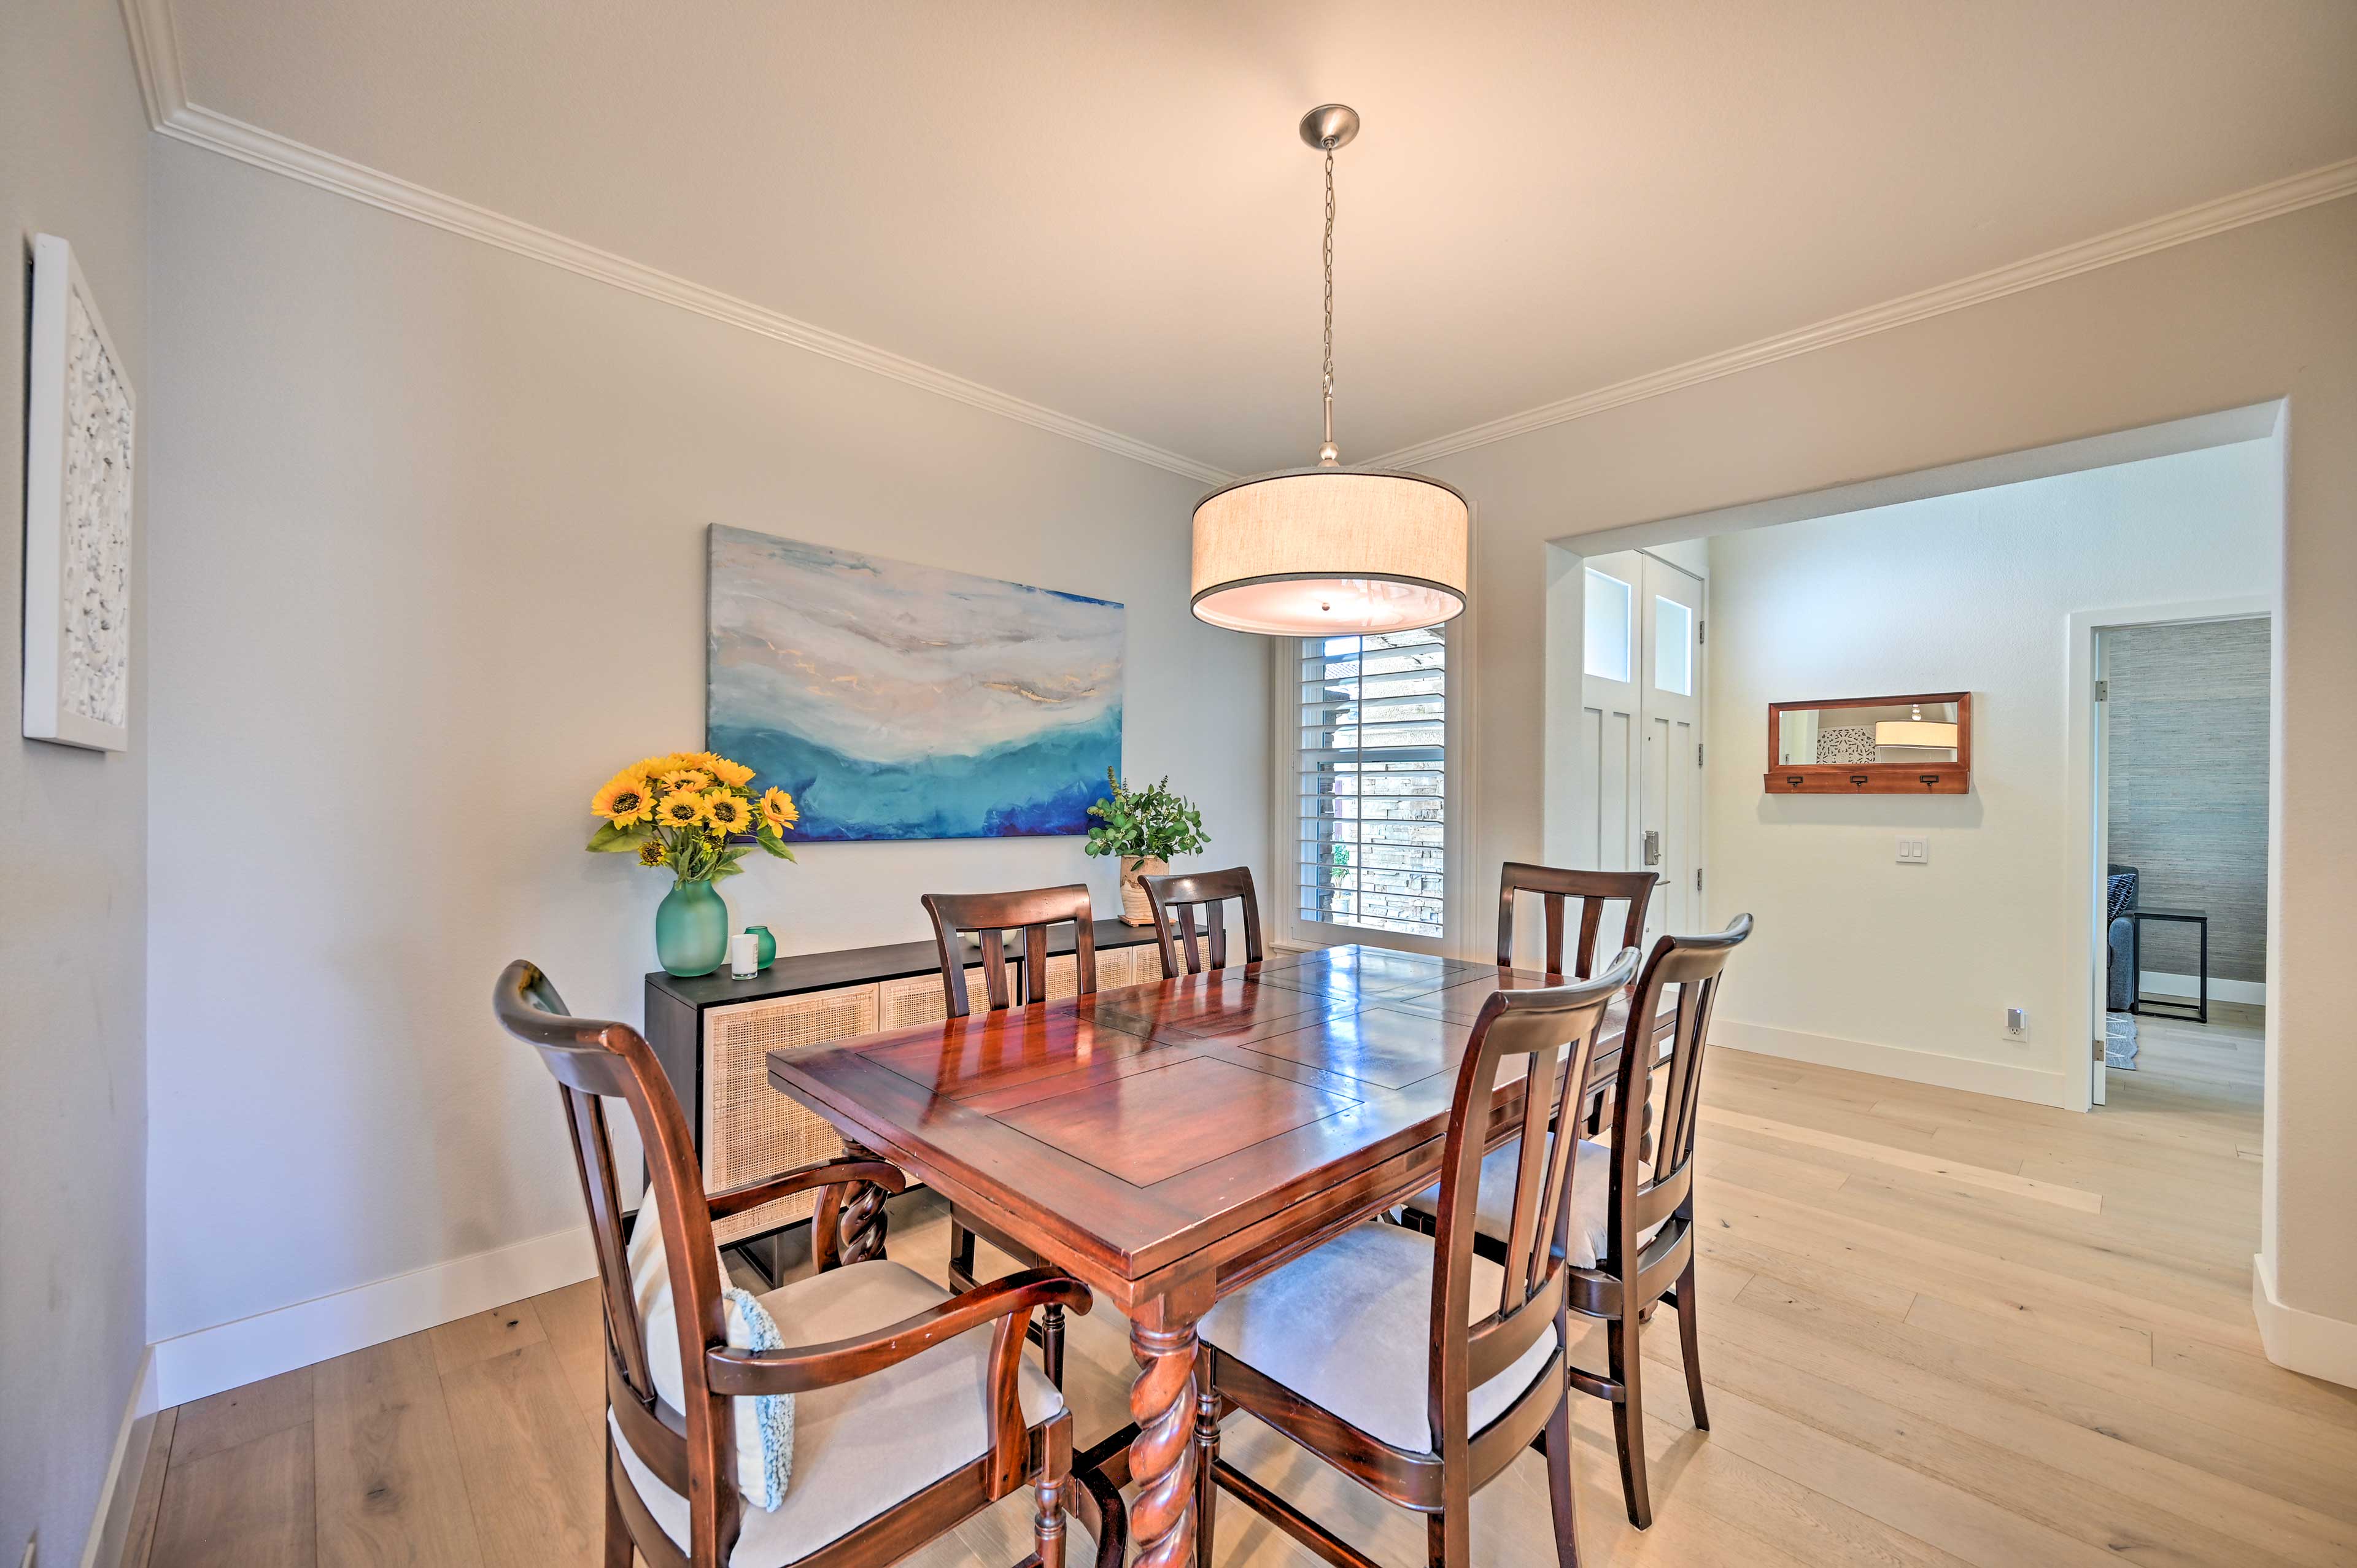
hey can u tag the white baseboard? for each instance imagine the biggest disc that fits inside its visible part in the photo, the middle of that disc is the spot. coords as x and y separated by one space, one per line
2189 985
110 1525
232 1354
2306 1342
2003 1079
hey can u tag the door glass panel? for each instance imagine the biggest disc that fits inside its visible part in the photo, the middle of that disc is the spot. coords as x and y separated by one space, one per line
1673 647
1609 602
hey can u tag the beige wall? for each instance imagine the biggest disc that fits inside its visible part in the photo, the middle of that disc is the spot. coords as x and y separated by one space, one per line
74 163
1908 970
2254 314
429 559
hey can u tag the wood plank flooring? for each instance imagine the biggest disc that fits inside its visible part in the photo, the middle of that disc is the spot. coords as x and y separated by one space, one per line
1937 1329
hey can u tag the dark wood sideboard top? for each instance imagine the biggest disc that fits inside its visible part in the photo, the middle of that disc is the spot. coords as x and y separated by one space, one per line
800 972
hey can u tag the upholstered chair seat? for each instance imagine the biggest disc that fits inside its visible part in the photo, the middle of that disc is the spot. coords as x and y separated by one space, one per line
1349 1327
861 1447
1591 1188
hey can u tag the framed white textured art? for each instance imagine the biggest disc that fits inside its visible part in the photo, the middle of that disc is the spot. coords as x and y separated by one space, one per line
77 463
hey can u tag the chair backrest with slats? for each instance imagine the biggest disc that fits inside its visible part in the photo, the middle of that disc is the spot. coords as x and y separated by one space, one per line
990 916
1653 1169
1176 901
1593 889
690 1451
1548 1037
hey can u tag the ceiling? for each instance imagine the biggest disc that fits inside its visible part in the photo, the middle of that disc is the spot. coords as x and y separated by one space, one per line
1105 208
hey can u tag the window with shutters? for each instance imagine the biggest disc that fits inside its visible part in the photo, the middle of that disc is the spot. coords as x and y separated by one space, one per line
1371 774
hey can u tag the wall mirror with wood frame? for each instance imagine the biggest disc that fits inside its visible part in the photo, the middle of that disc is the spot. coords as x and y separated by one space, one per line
1872 746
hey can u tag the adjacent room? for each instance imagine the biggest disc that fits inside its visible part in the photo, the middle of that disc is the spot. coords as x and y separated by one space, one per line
1083 785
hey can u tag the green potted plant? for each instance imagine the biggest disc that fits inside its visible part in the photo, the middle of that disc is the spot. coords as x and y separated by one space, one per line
1144 828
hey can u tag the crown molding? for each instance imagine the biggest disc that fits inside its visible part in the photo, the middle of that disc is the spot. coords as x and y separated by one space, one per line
154 48
2256 205
156 52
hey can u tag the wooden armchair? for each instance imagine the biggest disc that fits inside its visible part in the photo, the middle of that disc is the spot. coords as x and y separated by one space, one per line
915 1409
1175 901
1416 1368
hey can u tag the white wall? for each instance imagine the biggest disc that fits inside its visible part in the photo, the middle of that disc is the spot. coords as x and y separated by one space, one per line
1907 970
73 162
429 566
2238 319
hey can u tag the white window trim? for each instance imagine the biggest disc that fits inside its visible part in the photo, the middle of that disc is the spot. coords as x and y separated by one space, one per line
1461 904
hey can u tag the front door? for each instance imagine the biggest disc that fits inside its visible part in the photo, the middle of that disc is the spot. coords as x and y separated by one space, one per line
1611 740
1669 812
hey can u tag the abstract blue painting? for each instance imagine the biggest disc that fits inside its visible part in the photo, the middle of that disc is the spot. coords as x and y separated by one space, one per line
894 701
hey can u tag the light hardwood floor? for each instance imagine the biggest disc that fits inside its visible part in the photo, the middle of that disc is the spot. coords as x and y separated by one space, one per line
1937 1329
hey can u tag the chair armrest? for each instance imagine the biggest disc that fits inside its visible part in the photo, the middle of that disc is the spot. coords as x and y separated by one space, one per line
830 1173
730 1371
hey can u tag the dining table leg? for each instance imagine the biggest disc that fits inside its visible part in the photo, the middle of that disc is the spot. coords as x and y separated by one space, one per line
1162 1455
861 1223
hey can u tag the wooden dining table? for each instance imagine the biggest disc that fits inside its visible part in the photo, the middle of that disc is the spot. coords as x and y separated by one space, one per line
1167 1143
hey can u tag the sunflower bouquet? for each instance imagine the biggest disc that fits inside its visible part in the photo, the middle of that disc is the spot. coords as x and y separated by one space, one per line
692 811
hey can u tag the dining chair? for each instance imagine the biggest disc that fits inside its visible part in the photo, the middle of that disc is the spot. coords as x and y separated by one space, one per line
1176 901
1632 1237
911 1409
1593 889
989 916
1556 886
1416 1367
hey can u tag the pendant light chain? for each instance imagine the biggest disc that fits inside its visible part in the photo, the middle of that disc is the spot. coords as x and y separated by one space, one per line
1328 454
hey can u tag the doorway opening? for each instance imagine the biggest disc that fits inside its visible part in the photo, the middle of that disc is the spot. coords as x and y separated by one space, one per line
2179 752
1949 937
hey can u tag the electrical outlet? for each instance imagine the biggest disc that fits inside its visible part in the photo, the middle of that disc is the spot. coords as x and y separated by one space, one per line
1914 851
2016 1024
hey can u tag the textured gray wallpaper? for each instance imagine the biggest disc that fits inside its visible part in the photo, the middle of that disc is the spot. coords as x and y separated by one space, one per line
2189 785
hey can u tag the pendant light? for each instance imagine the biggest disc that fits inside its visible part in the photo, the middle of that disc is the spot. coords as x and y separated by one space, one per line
1330 551
1918 731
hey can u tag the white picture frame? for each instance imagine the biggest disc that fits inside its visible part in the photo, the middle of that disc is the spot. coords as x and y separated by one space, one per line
80 459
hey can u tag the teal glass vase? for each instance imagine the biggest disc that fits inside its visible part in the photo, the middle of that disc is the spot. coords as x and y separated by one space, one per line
691 929
766 944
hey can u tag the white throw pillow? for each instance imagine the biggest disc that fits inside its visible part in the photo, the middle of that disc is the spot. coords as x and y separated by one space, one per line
764 1423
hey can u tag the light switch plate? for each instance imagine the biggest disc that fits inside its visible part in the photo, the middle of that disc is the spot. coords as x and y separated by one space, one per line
1914 851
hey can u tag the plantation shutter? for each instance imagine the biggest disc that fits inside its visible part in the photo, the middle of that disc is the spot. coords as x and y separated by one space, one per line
1372 767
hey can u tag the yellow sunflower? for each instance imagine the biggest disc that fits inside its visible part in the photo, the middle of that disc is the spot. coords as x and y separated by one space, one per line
682 810
625 800
652 853
778 809
735 775
686 782
727 814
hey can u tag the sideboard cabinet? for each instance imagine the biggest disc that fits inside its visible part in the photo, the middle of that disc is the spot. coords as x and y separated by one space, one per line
714 1035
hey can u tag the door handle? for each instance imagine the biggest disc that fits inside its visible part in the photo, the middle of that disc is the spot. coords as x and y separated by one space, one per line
1653 846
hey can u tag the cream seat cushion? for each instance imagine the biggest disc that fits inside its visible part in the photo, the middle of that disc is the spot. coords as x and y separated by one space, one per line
1348 1327
764 1425
1591 1199
864 1446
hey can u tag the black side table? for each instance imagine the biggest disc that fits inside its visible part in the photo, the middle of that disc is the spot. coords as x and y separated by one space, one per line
2199 1011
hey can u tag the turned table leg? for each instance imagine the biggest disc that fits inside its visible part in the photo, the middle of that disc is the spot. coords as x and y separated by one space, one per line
861 1223
1162 1456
